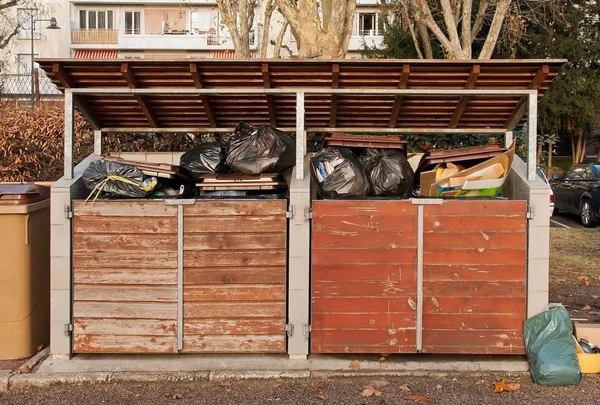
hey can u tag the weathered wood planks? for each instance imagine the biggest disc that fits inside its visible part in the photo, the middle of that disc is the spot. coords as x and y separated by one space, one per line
235 276
125 277
474 291
364 277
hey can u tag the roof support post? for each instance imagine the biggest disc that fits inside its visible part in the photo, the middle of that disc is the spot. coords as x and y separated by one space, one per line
69 132
532 136
300 136
508 138
98 142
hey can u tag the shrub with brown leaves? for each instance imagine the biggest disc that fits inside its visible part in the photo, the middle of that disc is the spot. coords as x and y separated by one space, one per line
31 142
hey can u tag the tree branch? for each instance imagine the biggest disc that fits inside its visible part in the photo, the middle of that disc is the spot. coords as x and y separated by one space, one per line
348 24
279 41
492 37
466 27
479 19
5 39
288 9
423 14
415 40
424 34
269 9
8 4
451 28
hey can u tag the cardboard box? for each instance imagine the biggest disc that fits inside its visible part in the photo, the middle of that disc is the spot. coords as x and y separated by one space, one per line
472 182
589 363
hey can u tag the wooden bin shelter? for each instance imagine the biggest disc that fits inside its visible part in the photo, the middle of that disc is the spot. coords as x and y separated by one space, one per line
490 98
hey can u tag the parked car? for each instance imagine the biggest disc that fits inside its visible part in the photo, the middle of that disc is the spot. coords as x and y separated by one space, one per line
577 191
542 176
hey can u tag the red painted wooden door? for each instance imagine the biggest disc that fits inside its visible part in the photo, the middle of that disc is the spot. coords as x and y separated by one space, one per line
364 258
474 277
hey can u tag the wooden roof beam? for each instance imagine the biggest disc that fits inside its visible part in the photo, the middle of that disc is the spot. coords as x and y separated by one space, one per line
335 82
61 75
87 111
266 75
462 102
203 98
141 100
398 99
517 114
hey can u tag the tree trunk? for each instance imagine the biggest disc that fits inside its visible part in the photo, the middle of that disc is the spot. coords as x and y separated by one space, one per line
315 40
232 12
496 26
598 154
415 40
549 164
540 150
279 41
426 41
264 44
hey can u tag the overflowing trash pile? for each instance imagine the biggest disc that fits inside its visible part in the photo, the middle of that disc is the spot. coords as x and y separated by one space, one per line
250 163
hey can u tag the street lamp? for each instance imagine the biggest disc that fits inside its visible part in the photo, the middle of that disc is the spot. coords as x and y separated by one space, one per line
52 26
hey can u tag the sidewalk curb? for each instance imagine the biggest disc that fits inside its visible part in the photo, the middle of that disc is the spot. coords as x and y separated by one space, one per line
28 381
4 377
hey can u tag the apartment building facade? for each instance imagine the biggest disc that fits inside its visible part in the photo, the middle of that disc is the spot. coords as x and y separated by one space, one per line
154 29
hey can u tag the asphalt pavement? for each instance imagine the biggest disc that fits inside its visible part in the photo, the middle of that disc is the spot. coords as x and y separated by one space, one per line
377 390
561 220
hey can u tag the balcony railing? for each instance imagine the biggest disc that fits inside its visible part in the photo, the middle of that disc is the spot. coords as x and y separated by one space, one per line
95 36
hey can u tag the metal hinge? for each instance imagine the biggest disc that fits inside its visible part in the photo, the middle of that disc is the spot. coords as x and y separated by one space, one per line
289 329
68 212
308 212
68 329
530 212
307 330
290 214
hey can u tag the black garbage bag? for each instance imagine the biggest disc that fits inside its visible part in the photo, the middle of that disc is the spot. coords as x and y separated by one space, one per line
259 150
206 158
338 173
117 180
388 171
551 349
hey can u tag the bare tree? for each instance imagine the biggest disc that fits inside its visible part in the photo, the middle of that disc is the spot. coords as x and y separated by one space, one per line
458 24
238 17
322 28
9 26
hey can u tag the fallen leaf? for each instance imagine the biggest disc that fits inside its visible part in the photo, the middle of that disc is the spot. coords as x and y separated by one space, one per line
585 280
405 388
319 385
381 401
586 308
380 383
226 383
383 356
439 387
321 397
419 399
176 396
369 390
501 385
355 365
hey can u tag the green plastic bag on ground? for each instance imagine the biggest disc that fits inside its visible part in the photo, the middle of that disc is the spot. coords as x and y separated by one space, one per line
551 348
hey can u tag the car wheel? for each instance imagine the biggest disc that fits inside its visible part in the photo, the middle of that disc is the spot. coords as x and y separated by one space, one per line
587 215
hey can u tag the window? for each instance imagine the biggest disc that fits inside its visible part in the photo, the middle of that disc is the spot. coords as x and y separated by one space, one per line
24 21
133 22
24 63
96 19
366 24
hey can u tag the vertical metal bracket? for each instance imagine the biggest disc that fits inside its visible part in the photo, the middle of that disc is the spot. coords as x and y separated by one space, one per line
530 212
308 212
68 329
68 212
290 212
289 329
307 330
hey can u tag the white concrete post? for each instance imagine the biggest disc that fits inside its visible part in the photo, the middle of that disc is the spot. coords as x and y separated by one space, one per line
508 138
532 136
68 136
299 265
97 142
300 136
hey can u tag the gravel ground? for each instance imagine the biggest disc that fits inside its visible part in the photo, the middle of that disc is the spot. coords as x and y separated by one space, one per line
461 389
